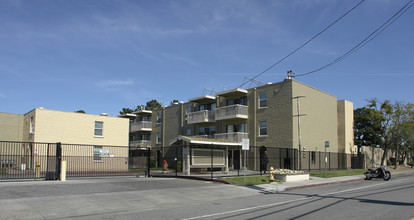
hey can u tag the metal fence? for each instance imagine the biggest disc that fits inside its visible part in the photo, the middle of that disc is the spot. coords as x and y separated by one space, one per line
213 161
41 161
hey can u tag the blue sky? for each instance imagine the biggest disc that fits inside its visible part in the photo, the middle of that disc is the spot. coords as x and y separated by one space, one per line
102 56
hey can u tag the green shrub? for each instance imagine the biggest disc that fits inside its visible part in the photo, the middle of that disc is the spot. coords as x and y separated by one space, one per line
153 163
179 166
411 163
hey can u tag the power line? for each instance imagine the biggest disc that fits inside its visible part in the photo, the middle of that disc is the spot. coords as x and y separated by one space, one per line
300 47
370 37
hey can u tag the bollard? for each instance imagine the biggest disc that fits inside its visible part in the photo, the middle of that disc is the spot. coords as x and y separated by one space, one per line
63 170
37 171
271 173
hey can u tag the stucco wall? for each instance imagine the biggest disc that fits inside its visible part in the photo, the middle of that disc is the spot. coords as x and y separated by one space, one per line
320 121
78 128
11 127
345 126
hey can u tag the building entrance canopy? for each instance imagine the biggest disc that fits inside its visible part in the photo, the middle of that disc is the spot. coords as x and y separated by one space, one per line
204 152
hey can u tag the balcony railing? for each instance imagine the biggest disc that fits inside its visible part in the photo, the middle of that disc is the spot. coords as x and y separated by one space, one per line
200 117
232 112
140 143
235 136
141 126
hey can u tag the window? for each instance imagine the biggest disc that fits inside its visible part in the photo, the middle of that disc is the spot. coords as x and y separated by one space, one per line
189 109
188 132
98 128
262 128
209 131
97 153
31 128
262 100
146 137
158 137
159 118
239 101
236 128
201 131
146 118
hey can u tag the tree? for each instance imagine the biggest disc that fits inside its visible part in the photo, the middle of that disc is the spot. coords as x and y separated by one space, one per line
367 127
153 105
174 101
80 111
386 129
126 111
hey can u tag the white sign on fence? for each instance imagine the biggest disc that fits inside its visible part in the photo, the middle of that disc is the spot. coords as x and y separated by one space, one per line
245 144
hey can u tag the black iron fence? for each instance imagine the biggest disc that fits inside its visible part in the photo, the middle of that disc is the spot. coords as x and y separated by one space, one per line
218 161
29 160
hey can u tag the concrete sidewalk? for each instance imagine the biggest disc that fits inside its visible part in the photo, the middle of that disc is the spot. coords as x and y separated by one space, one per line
317 181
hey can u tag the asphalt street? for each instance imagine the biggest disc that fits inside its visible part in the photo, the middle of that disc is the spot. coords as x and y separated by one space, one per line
153 198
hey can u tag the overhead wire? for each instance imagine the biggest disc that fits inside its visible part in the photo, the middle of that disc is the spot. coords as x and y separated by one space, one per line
300 47
370 37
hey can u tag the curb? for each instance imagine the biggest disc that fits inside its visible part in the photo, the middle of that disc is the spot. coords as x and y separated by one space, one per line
194 178
321 184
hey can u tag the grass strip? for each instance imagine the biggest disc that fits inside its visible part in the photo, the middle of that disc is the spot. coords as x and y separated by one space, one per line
337 173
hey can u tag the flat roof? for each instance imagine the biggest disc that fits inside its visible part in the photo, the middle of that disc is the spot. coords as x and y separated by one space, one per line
127 115
207 141
203 99
232 92
142 112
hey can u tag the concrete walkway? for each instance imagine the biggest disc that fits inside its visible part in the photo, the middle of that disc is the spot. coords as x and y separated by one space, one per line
317 181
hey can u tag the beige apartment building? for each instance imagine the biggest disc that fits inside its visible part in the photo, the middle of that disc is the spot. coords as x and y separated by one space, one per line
266 115
88 141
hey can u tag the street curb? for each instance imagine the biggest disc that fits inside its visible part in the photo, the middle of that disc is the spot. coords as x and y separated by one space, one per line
321 184
194 178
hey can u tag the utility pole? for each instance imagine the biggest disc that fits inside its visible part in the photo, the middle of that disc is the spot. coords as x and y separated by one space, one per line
299 130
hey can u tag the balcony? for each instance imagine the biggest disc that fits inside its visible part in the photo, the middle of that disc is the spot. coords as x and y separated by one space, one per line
140 144
232 112
141 126
236 136
200 117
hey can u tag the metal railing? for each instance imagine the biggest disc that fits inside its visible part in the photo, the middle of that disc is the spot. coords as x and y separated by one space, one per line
201 117
235 136
231 112
140 144
141 126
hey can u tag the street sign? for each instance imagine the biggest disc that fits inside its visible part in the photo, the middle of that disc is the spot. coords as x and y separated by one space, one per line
245 144
326 144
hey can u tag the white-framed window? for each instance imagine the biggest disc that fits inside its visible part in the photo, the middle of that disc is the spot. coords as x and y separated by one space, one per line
159 118
262 100
97 153
158 137
31 126
262 128
98 129
188 132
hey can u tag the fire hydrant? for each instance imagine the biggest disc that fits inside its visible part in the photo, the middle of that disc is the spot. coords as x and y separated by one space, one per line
271 173
164 166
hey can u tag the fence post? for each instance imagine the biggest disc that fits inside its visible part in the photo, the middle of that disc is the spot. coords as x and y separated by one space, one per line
58 159
176 161
211 162
329 160
319 161
149 162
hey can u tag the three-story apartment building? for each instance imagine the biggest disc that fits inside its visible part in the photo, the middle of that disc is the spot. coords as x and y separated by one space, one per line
267 115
